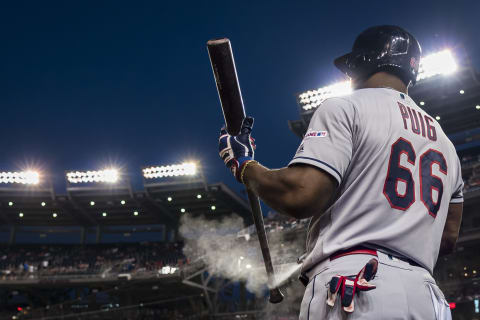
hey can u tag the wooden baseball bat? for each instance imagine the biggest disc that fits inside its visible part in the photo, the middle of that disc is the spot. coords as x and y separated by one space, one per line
225 73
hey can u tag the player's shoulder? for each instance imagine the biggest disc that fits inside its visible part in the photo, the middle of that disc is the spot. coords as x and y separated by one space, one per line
357 101
334 105
359 96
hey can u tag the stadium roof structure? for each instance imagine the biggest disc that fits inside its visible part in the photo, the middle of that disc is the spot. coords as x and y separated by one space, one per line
446 89
94 198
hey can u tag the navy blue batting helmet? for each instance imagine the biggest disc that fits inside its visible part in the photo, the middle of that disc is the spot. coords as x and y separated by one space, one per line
383 48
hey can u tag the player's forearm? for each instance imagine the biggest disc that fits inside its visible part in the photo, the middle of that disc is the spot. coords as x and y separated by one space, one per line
447 246
449 240
451 229
281 189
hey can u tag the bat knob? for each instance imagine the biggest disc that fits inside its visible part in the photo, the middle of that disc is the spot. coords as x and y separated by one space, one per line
247 125
276 296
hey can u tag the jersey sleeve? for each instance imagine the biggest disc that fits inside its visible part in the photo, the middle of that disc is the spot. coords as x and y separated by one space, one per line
328 143
457 196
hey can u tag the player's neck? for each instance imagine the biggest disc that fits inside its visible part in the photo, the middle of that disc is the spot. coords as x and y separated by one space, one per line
384 80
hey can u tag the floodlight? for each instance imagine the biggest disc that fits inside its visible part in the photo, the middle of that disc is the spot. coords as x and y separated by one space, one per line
92 203
439 63
182 210
174 170
167 270
22 177
476 107
169 199
10 203
437 117
110 175
213 208
135 213
54 215
462 91
43 204
199 196
422 103
20 214
122 202
313 98
104 214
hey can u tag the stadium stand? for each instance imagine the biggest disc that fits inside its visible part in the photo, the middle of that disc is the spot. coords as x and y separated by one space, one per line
103 250
75 261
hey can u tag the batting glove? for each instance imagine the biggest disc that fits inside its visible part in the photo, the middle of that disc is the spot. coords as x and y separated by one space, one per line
236 151
347 287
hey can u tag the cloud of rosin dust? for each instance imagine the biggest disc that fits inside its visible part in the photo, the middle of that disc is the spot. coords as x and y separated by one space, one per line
225 255
215 243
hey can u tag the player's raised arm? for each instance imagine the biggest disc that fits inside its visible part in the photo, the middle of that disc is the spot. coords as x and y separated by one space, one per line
299 191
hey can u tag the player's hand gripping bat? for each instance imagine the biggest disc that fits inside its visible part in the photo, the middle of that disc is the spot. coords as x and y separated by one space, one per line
223 65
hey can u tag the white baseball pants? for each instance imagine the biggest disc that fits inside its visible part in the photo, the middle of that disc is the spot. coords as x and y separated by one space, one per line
403 292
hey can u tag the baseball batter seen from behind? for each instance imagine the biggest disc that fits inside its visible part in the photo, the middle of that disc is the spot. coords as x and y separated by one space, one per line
381 183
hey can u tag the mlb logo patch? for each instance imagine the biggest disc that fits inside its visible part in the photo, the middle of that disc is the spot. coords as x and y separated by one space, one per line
316 134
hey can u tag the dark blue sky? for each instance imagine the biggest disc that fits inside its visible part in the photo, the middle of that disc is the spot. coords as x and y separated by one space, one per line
88 83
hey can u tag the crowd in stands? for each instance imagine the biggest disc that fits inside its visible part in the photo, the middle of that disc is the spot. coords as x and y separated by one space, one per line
100 259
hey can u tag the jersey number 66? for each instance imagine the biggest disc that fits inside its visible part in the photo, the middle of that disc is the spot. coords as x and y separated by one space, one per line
428 181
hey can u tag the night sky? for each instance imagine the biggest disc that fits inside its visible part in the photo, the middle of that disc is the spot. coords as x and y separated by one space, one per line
86 84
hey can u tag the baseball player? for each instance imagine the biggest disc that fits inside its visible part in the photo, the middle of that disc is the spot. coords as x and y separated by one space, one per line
381 182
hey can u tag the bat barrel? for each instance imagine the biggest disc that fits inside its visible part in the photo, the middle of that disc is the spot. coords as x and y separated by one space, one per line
225 73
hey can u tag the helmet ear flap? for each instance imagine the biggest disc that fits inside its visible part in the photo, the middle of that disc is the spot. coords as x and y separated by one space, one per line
360 66
342 63
352 64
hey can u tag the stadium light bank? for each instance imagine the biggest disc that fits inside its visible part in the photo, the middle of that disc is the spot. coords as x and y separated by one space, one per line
110 175
439 63
21 177
174 170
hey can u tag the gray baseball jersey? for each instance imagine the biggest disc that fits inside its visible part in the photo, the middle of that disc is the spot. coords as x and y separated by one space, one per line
397 173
